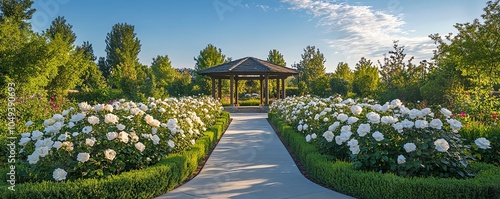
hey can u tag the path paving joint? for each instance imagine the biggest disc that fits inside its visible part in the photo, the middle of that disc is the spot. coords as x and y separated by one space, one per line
250 162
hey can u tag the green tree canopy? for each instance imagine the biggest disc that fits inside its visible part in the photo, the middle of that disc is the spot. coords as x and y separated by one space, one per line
276 57
18 11
164 74
366 78
210 56
311 67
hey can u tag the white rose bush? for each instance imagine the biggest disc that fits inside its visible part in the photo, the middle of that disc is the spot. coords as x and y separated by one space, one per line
96 141
387 138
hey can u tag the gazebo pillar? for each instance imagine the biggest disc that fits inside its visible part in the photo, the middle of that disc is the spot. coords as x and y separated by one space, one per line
213 87
231 80
267 89
284 88
236 92
278 88
261 94
219 86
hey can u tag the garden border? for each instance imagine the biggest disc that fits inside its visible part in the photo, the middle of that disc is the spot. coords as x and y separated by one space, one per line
341 176
149 182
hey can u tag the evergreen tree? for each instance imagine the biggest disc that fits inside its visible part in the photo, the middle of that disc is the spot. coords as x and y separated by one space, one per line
276 57
164 74
366 78
17 12
210 56
311 67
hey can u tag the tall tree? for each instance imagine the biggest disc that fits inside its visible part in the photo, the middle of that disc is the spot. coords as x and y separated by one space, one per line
341 81
18 11
164 74
210 56
104 67
60 28
343 72
366 78
311 67
122 51
182 86
276 57
92 78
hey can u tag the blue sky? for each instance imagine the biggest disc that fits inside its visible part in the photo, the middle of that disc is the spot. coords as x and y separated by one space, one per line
343 30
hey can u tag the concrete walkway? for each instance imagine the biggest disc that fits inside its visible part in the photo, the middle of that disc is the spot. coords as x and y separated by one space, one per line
250 162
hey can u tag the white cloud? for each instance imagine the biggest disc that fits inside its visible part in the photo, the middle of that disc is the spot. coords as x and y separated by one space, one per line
265 8
360 31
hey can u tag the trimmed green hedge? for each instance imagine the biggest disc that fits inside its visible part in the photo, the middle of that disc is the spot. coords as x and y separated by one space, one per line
145 183
342 177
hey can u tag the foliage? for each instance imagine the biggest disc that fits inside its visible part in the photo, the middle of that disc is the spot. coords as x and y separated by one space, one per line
340 176
311 67
276 57
386 138
103 140
164 75
153 181
17 12
339 86
474 130
366 78
210 56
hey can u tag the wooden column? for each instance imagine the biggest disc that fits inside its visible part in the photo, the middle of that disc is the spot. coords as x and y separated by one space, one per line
213 87
236 93
278 88
284 88
231 82
219 88
261 94
267 90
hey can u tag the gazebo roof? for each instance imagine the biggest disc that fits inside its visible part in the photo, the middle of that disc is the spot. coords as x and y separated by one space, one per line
249 66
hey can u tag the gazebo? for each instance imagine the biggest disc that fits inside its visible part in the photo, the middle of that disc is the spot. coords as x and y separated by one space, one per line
248 68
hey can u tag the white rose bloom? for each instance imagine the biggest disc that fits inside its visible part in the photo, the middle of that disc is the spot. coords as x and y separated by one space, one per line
57 145
408 124
396 103
24 141
193 141
162 110
314 136
90 141
455 125
111 135
42 151
108 107
385 107
77 117
333 126
66 112
84 107
325 119
33 158
305 126
404 110
59 174
134 137
155 139
344 136
93 120
299 127
120 127
58 117
140 146
110 154
29 123
110 118
363 129
338 140
425 111
414 113
401 159
36 135
482 143
342 117
421 124
398 127
316 117
345 128
26 135
134 111
436 123
373 117
410 147
308 138
352 120
378 136
388 120
87 129
68 146
143 107
377 107
352 143
123 137
171 143
356 110
441 145
83 157
71 124
355 149
98 107
447 113
63 137
329 136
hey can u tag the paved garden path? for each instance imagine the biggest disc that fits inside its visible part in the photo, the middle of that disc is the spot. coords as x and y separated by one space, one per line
250 162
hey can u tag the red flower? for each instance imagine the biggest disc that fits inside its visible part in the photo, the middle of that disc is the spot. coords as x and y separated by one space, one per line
495 116
463 114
